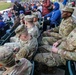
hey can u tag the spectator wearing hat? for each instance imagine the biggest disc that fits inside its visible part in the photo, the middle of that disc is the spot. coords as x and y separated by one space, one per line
12 66
35 19
22 43
22 15
62 31
64 49
32 29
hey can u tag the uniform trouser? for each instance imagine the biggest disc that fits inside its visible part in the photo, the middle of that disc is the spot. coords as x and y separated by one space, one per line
50 38
50 59
47 57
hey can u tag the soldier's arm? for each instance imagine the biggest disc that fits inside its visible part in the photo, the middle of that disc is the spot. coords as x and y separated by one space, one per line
56 29
22 53
67 54
59 41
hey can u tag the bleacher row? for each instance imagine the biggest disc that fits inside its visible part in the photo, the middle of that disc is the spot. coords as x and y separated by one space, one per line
70 65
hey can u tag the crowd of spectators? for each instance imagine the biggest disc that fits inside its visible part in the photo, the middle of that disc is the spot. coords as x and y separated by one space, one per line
29 22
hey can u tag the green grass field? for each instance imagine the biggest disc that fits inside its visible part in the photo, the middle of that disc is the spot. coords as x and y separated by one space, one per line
4 5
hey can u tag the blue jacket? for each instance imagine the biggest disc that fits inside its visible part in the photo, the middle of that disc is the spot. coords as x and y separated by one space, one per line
55 15
2 24
64 2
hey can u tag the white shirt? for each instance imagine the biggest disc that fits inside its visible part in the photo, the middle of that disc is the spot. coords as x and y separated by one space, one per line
40 8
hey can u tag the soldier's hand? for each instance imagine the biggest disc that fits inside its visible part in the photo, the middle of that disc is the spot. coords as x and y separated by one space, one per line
55 44
54 49
16 49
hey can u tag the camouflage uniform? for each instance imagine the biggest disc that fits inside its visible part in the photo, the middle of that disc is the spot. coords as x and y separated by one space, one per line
66 51
21 18
63 31
35 16
34 31
37 24
23 67
27 48
18 29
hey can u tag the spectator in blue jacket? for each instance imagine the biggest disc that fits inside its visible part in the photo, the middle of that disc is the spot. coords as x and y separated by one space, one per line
53 18
2 24
64 2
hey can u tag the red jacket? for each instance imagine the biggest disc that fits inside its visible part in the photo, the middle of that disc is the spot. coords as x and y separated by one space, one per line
45 10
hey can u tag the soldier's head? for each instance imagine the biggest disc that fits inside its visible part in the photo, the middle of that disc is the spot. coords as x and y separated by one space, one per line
67 12
7 57
28 20
22 18
35 17
23 34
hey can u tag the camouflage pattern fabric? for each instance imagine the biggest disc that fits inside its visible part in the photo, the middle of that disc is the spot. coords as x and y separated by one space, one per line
66 51
27 48
65 28
23 67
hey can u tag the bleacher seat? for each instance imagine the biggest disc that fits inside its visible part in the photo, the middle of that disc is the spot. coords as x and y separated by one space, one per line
6 38
70 67
33 65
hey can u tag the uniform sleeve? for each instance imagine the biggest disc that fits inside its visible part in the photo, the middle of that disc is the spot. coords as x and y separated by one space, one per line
56 35
63 39
22 53
56 29
67 54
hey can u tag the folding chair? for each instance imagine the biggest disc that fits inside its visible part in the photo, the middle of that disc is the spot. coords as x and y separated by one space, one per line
8 38
33 65
5 36
70 68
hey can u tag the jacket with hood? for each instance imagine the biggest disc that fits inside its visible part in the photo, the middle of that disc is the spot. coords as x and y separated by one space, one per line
55 15
64 2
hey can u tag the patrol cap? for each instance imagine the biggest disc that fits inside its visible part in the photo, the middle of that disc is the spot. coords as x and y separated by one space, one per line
19 28
24 31
68 9
29 18
5 55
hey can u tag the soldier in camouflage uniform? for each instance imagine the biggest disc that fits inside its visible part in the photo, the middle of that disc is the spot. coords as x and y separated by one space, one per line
32 29
66 26
25 45
19 67
35 17
13 39
60 51
22 18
